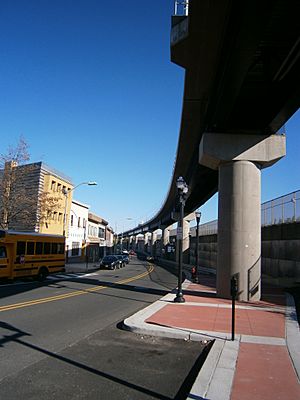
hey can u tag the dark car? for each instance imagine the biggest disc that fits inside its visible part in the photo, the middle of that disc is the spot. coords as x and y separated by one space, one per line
121 260
126 258
110 262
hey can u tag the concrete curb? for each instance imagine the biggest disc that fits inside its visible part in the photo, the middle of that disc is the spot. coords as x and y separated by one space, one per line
136 323
216 376
292 334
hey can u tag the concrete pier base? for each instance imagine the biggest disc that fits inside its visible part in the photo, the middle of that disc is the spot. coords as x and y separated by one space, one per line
239 232
239 159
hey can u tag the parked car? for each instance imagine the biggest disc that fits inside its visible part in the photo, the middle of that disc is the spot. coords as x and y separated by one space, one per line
110 262
125 258
121 260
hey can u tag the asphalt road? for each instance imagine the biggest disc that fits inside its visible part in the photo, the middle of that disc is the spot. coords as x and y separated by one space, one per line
61 339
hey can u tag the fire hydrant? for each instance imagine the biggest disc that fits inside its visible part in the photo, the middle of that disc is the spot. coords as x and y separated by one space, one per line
194 274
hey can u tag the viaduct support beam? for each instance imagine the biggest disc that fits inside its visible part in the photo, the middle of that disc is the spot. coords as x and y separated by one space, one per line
239 159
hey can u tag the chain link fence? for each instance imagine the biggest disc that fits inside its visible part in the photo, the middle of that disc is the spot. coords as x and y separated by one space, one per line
284 209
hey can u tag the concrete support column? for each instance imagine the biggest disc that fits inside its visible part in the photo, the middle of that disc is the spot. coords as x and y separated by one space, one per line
144 245
134 243
186 237
165 237
147 246
239 229
153 240
239 159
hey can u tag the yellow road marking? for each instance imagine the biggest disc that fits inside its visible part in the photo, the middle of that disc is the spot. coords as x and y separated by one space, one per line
72 294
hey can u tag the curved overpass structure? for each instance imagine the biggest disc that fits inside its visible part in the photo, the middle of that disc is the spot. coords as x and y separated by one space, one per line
242 62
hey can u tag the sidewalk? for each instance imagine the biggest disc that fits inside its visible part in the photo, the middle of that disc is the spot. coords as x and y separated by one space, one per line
262 363
81 267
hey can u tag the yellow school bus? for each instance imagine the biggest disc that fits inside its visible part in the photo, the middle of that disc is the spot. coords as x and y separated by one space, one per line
30 254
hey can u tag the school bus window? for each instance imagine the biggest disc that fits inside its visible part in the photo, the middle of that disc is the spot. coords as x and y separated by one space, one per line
2 252
54 248
47 248
21 248
30 248
60 248
39 248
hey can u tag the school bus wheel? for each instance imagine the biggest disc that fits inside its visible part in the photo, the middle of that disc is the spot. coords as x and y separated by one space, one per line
43 272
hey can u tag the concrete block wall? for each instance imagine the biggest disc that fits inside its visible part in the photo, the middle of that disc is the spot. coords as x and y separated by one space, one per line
280 250
281 254
208 248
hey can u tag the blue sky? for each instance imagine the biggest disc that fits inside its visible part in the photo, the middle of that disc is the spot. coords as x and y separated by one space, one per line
90 86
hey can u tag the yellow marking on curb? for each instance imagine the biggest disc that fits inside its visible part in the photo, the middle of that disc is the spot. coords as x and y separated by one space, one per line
72 294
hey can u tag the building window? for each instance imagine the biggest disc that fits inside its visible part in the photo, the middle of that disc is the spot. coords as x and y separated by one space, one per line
53 186
55 216
72 220
101 233
78 222
59 187
84 223
75 248
60 217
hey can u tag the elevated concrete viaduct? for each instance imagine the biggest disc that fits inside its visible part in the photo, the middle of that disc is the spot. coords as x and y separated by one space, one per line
242 83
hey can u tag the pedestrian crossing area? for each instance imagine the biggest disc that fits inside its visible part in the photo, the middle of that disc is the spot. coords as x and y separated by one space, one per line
64 277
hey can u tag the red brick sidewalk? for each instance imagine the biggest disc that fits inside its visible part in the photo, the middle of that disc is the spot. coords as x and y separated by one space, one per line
264 369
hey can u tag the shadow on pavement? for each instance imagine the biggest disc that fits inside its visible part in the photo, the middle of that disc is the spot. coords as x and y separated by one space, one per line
181 394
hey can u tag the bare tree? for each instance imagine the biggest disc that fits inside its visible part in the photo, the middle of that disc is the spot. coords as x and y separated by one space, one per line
46 206
22 205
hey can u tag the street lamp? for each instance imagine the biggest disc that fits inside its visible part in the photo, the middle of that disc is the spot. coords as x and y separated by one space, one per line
198 217
66 192
126 219
182 189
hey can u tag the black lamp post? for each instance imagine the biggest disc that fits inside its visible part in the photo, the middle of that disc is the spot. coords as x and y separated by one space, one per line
182 189
198 216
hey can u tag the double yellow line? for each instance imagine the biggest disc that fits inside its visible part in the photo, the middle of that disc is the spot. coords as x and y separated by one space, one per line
73 294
